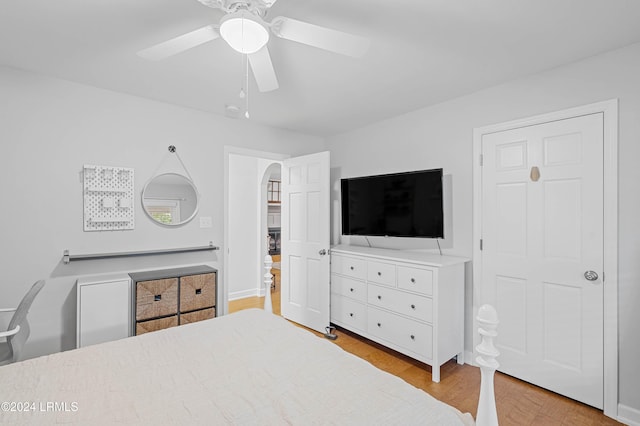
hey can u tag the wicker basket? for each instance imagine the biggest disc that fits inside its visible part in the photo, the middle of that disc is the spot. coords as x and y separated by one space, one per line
156 324
196 316
156 298
197 292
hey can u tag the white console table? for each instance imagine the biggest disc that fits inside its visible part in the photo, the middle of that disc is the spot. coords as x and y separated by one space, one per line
412 302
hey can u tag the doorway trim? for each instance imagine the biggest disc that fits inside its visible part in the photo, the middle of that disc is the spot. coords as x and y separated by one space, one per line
228 150
609 109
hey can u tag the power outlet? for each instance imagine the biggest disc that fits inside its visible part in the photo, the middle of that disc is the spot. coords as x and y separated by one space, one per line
206 222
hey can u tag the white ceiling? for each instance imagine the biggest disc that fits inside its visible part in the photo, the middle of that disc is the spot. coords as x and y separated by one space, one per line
422 52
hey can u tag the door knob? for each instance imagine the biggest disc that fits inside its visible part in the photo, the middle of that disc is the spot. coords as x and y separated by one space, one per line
591 275
322 252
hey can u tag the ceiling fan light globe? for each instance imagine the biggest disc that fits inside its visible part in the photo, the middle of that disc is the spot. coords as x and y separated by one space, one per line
244 32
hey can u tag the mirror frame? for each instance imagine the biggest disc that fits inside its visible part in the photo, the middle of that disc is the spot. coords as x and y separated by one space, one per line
171 225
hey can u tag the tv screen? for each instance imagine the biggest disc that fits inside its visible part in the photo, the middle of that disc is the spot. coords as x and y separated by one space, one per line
396 205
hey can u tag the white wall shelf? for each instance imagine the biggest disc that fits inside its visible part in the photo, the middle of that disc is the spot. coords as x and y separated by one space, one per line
67 257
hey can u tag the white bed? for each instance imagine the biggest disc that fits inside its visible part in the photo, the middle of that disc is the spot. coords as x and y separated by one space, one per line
246 368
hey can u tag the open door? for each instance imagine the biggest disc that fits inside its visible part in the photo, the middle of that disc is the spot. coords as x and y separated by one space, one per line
305 240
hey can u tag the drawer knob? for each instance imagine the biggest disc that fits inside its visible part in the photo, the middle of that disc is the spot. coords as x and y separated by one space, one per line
413 337
379 274
413 280
351 290
379 325
351 267
351 314
413 306
379 297
198 291
157 297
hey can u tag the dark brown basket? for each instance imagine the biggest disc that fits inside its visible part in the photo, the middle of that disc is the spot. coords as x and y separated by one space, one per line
197 292
156 298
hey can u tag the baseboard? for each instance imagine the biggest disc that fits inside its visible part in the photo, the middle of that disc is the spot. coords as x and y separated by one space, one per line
244 294
629 416
468 358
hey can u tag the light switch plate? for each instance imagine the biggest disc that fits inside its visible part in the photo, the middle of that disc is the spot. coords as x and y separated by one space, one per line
206 222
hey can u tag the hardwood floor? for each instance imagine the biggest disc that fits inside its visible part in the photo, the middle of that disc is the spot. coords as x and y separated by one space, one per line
518 402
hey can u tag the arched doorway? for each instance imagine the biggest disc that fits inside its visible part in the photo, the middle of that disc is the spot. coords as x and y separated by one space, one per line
271 228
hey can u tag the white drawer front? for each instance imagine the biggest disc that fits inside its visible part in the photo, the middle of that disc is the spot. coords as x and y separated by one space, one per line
414 279
349 287
348 312
408 334
412 305
381 273
352 267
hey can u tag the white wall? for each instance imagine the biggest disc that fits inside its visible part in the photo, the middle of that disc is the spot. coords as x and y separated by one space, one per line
243 275
441 136
49 129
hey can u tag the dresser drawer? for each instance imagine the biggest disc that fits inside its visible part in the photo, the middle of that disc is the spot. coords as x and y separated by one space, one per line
408 334
348 312
414 279
197 292
349 287
418 307
349 266
381 273
156 324
156 298
196 316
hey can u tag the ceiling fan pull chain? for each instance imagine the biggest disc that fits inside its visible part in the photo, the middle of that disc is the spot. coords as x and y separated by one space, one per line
242 93
246 85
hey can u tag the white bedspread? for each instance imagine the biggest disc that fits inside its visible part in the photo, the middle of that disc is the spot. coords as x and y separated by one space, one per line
247 368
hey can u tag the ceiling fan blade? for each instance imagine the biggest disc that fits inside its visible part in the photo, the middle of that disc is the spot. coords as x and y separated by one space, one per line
263 71
321 37
180 43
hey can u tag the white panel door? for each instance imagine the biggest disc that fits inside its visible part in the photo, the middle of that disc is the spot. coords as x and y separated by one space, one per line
542 230
305 240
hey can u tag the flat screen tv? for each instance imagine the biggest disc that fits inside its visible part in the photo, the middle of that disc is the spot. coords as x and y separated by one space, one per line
396 205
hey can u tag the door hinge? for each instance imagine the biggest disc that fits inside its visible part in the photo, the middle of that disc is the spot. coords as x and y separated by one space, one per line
480 244
481 159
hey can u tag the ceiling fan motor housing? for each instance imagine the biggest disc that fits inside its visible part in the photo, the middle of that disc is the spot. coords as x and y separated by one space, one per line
259 7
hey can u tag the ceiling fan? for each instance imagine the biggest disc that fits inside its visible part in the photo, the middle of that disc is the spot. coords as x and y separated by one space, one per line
243 27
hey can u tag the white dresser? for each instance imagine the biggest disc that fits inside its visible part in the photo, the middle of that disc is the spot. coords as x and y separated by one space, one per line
412 302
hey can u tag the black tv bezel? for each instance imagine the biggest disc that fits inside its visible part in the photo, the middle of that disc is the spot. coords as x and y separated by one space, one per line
342 207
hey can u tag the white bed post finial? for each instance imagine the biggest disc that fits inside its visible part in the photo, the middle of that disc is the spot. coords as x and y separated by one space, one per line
487 353
268 279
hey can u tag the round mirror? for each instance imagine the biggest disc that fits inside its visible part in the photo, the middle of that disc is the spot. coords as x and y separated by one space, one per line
170 199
